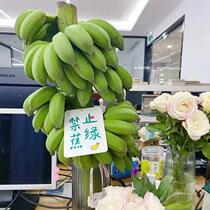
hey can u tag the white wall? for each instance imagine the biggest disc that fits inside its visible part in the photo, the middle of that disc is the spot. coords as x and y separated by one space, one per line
196 45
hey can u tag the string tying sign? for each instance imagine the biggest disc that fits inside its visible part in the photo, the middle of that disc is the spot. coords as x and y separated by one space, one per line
84 132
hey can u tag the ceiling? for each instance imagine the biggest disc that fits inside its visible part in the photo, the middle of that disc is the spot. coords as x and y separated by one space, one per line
136 16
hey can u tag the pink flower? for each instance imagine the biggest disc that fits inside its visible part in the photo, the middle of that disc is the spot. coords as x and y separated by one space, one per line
182 105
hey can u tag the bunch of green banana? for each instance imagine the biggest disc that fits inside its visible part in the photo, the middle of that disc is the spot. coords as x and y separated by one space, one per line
32 25
77 59
119 121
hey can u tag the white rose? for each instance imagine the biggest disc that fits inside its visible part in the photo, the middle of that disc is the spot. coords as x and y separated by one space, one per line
197 125
152 202
110 203
205 101
182 105
121 192
135 206
160 103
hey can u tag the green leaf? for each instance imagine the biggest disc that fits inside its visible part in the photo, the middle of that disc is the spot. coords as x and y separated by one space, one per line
143 185
206 151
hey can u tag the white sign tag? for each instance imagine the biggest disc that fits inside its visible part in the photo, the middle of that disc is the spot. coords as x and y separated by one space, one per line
84 132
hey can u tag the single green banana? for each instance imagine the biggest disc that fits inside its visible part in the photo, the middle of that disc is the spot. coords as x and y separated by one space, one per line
74 77
84 69
40 97
53 64
108 96
87 162
64 49
121 96
119 127
129 140
46 32
57 109
84 96
115 142
31 24
133 150
54 139
105 157
35 44
100 81
39 117
115 37
66 86
111 57
28 62
97 59
98 34
128 162
114 81
61 158
125 77
26 105
20 20
80 37
38 69
119 163
48 125
121 113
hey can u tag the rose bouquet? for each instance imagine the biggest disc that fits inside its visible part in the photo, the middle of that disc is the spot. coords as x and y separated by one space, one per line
183 121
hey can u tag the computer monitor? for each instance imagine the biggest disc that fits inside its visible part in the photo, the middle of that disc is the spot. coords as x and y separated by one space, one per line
25 164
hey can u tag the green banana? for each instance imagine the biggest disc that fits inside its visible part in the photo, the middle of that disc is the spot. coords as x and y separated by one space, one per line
133 151
48 125
53 64
128 162
125 77
114 81
74 77
80 37
66 86
100 81
38 69
105 157
84 69
20 20
108 96
115 142
26 105
39 117
57 109
64 49
84 96
35 44
28 62
40 97
121 113
111 57
98 34
128 139
61 158
97 59
119 163
121 96
54 139
31 24
119 127
46 32
115 36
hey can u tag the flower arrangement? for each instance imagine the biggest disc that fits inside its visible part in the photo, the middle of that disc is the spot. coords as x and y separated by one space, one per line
183 120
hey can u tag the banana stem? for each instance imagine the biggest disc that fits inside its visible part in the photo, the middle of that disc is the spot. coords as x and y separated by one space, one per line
66 15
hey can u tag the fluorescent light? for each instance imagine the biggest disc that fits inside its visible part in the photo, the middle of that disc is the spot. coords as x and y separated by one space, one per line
7 21
169 46
132 19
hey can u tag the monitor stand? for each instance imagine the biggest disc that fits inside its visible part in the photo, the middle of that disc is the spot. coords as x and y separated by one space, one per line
5 198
